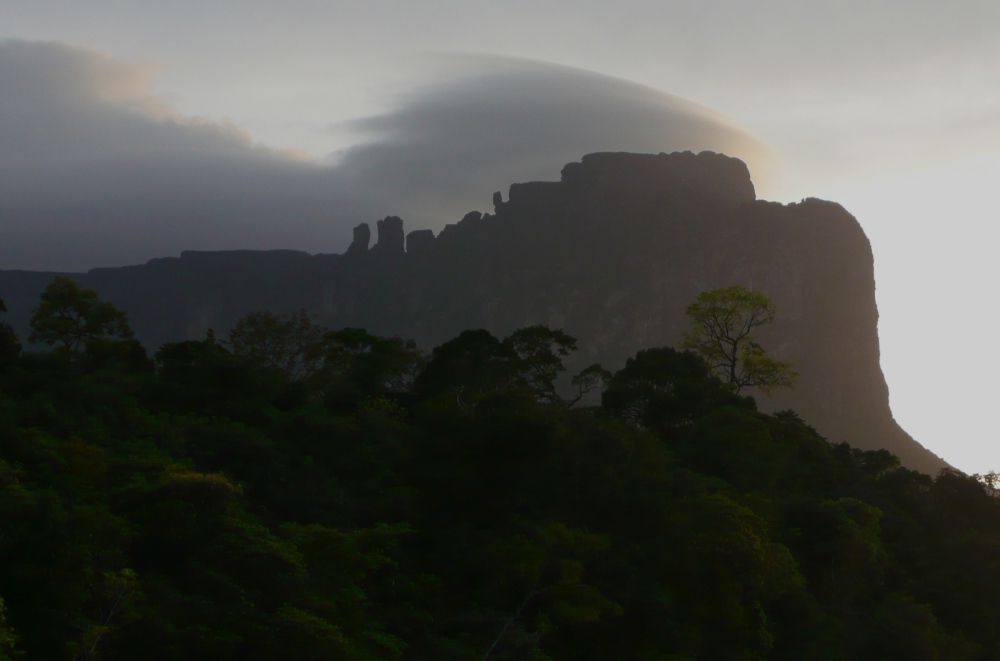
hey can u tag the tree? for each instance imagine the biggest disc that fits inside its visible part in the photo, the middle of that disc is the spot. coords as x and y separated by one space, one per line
118 594
549 565
589 379
358 366
723 323
990 482
665 390
528 361
467 367
72 317
538 358
290 343
10 347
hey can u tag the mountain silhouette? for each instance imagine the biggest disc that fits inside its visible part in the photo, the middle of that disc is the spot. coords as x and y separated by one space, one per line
613 253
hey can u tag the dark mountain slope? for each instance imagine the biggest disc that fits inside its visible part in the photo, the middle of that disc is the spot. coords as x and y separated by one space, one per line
613 253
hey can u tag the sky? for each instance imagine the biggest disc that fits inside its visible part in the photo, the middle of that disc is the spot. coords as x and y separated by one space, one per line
294 121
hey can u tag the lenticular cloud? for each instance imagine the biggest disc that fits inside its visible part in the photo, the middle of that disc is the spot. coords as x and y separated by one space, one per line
96 170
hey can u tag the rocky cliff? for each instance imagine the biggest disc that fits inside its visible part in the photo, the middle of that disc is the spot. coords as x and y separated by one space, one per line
612 253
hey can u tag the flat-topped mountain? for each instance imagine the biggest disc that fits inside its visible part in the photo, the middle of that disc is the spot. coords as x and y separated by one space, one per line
612 253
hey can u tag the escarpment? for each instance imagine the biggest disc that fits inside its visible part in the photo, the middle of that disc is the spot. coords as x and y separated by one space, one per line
612 253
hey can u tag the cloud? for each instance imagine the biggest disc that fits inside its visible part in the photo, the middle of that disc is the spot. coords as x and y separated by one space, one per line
494 121
71 103
96 170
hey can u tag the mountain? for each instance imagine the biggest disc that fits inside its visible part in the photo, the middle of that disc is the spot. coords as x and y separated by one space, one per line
612 253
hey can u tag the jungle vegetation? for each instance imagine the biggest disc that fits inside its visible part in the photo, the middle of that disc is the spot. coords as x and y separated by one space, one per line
296 492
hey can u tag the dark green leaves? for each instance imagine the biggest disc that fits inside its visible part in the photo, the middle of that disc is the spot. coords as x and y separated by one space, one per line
71 316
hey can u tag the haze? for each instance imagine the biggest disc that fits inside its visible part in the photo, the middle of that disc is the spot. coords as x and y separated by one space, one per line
130 131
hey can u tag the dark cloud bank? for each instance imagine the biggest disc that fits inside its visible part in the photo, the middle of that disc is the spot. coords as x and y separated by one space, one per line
97 171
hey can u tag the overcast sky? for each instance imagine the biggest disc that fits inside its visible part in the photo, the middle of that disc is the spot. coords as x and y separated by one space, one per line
293 121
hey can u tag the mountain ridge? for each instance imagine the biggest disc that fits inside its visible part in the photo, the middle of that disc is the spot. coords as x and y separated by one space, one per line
612 254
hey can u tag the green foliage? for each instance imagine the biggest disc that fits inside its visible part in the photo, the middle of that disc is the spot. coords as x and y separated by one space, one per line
8 639
538 353
467 368
118 593
205 377
548 569
723 321
905 629
305 493
289 343
664 390
727 572
358 366
10 346
736 445
73 318
475 365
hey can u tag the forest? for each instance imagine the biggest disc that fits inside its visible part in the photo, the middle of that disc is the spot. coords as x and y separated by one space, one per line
291 491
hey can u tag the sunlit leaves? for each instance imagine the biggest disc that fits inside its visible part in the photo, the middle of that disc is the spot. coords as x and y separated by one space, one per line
723 321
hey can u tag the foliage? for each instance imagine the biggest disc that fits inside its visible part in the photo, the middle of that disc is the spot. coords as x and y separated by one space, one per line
10 346
8 639
290 343
723 321
538 353
307 493
358 366
75 318
664 390
475 365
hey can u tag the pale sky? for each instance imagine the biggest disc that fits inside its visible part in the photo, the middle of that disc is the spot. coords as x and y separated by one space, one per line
891 108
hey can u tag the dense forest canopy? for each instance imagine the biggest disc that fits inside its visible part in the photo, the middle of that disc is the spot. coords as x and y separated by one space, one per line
295 492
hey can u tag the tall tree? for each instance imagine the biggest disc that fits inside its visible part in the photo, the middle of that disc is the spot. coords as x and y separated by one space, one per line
723 322
665 390
71 317
539 352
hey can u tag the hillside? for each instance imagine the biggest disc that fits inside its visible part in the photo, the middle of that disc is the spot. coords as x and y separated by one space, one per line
315 494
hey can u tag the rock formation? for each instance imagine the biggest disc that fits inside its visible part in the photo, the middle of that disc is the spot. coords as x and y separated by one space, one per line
390 237
419 242
362 237
613 253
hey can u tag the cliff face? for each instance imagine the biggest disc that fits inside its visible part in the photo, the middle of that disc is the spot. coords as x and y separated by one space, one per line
613 253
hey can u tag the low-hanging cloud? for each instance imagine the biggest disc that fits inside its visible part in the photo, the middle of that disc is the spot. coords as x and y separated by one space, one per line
96 170
502 120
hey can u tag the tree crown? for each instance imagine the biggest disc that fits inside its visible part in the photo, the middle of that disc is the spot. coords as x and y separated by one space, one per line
71 316
723 321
